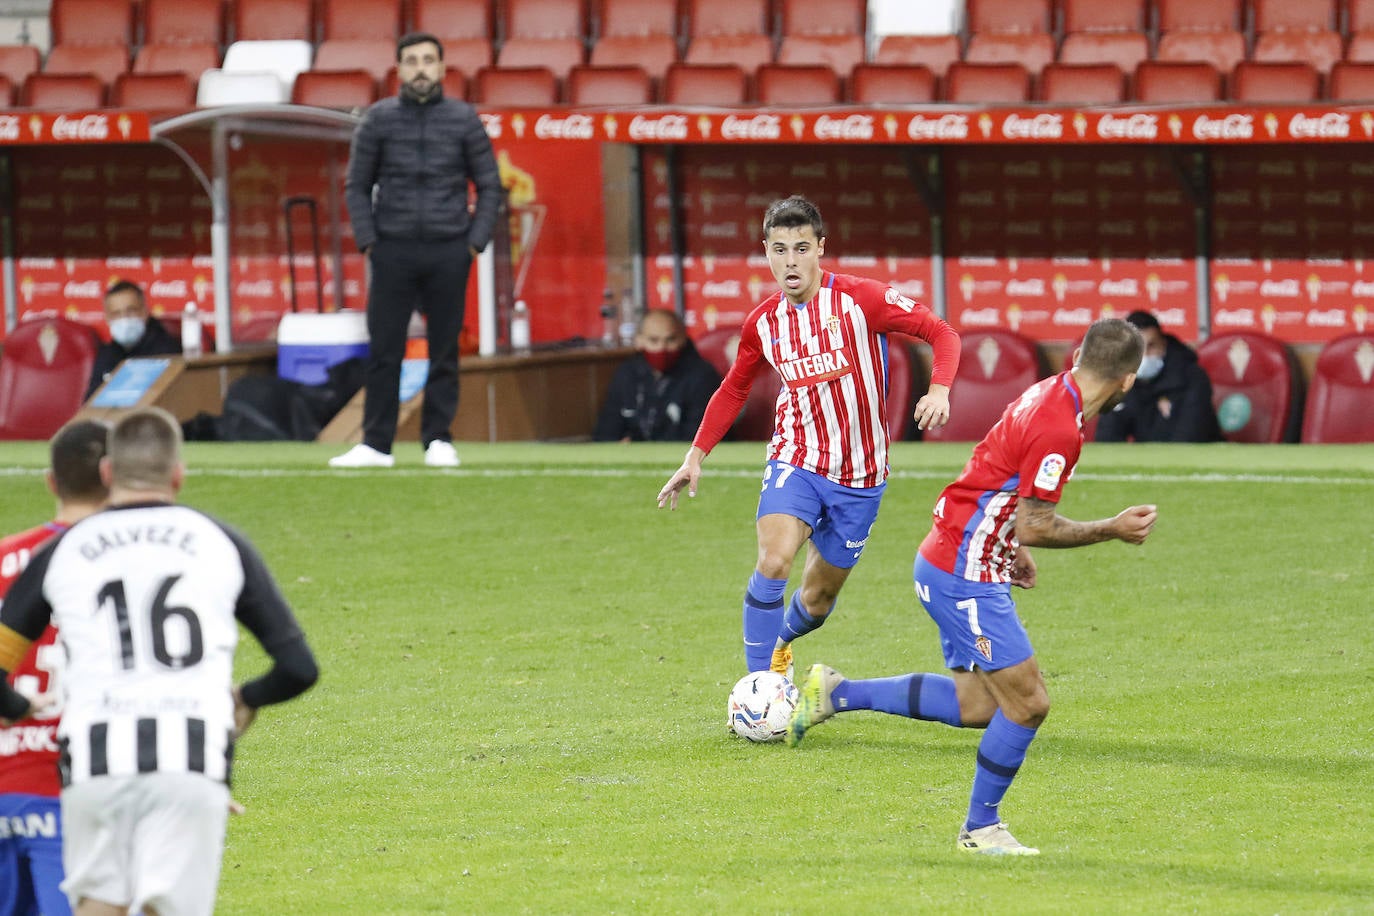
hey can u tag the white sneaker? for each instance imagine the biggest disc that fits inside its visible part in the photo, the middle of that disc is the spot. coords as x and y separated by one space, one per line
362 456
994 839
441 454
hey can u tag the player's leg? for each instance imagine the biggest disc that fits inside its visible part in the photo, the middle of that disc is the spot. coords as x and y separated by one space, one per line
16 885
44 853
788 506
95 842
178 843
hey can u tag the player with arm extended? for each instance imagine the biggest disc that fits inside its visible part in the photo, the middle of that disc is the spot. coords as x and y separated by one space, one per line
147 597
31 841
1003 503
826 335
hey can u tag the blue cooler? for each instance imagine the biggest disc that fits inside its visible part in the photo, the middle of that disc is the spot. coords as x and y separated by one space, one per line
309 343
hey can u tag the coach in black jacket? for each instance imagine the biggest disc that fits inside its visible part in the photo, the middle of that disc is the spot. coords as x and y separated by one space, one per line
412 160
1172 397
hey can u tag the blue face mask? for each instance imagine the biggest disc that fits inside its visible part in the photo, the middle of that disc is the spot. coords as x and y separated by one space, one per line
1150 367
127 331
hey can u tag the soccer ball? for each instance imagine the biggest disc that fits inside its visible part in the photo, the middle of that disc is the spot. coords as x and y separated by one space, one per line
760 705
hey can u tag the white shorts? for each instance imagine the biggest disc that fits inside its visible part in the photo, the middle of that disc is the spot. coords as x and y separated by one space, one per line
153 840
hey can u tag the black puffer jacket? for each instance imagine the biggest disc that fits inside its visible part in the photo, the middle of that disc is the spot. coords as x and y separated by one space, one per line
420 157
1174 406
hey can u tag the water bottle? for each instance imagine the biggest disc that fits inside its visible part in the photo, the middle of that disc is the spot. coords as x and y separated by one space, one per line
520 327
190 331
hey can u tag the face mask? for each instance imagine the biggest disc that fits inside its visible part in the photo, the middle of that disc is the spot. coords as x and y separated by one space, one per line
1150 366
662 360
127 331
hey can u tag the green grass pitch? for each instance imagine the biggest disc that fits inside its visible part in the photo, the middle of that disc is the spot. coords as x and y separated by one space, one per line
525 665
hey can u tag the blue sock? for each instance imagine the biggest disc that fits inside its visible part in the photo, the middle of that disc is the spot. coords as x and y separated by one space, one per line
796 623
916 696
1000 755
762 617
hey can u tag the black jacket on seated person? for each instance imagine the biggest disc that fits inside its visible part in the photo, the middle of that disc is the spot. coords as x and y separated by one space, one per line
644 406
1174 406
156 341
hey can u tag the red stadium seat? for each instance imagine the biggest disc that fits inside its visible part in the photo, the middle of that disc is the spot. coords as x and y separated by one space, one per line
758 418
726 17
746 51
44 371
934 51
705 84
1359 16
995 366
18 61
1342 390
375 55
1351 82
531 87
1223 50
1256 386
92 22
609 86
543 19
104 61
892 84
1159 81
557 54
1200 15
1032 51
651 53
840 53
1104 16
174 91
1256 81
264 20
972 84
636 18
455 83
335 89
1298 15
834 17
62 91
199 22
464 27
7 92
1124 49
1017 16
1361 48
360 19
1082 84
193 60
1320 49
786 84
902 366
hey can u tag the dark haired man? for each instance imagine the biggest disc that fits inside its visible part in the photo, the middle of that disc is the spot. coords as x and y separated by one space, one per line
133 332
413 158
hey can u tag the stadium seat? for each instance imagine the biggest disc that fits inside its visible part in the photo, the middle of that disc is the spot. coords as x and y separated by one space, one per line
972 84
636 18
1199 15
1256 386
531 87
840 53
104 61
1009 16
8 94
190 59
1032 51
651 53
464 27
174 91
1258 81
335 88
253 87
995 366
18 61
758 418
835 17
91 22
902 384
1359 16
1124 49
1351 82
704 84
455 83
588 85
1341 392
746 51
1104 16
375 55
1158 81
1320 49
726 17
284 58
891 84
44 371
936 52
273 20
781 85
1294 15
1360 50
1223 50
171 22
62 91
543 33
360 19
559 55
1082 84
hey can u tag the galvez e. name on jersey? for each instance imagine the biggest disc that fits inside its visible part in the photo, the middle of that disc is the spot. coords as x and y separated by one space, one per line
157 535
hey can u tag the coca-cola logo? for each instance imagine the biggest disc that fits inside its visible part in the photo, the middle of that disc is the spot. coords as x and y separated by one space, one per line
85 232
1230 127
1333 125
1132 127
981 318
123 202
1127 287
981 199
1326 318
86 127
757 127
167 231
720 230
1280 289
808 170
1043 126
1034 287
573 127
1364 289
851 127
168 173
1078 198
255 289
78 173
124 263
721 289
668 127
945 127
1080 317
86 289
1322 199
164 289
1234 318
902 230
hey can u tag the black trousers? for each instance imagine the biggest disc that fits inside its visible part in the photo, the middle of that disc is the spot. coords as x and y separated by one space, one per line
410 275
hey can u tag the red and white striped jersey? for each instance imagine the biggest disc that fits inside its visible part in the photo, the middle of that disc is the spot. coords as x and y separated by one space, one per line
1031 451
28 748
831 353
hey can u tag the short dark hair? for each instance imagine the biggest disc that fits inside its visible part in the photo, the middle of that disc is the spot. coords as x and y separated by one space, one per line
126 286
75 454
1143 320
793 213
145 448
1112 349
417 38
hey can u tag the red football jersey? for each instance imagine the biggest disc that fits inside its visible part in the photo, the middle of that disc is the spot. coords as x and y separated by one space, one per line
1031 451
831 353
28 748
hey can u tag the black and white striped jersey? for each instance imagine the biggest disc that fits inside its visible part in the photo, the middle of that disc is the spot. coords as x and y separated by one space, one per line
147 600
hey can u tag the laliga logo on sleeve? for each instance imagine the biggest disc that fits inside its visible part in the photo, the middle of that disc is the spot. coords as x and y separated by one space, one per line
1051 469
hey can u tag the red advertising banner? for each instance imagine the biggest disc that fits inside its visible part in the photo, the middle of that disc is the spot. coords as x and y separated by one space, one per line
83 127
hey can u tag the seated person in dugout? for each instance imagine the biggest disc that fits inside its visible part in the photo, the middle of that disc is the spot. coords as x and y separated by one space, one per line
133 332
660 393
1172 397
